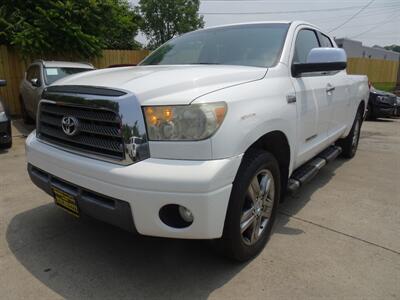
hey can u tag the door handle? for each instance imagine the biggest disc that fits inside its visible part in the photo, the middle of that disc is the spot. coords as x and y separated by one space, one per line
330 88
291 98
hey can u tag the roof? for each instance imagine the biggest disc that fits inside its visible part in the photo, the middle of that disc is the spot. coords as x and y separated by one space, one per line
291 23
65 64
247 23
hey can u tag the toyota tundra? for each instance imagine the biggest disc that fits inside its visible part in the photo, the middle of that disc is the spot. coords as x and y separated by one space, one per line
203 138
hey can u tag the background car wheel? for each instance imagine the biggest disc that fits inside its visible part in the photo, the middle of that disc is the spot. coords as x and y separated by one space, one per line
24 114
252 206
350 143
370 114
6 146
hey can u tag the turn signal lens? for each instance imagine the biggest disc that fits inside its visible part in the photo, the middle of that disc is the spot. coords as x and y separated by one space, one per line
167 113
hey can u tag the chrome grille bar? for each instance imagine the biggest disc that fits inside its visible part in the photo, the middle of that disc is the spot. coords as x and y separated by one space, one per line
99 130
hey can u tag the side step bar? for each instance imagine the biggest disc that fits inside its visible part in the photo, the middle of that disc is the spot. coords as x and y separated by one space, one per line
307 171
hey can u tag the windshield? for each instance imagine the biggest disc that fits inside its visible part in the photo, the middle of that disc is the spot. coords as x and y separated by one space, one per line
53 74
257 45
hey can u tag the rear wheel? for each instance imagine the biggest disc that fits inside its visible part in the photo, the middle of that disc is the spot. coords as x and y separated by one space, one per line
252 206
350 143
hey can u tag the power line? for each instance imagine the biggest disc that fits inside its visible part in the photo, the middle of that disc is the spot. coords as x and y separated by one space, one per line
376 26
371 10
366 14
279 12
352 17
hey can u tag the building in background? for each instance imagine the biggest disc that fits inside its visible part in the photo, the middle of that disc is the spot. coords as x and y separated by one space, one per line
356 49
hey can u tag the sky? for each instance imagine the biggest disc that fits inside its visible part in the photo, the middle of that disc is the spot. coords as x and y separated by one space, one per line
373 22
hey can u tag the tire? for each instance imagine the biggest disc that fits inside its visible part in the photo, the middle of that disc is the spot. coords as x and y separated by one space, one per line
370 114
250 213
6 146
350 143
24 114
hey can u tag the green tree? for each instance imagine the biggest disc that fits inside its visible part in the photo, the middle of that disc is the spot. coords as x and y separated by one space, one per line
395 48
162 20
75 27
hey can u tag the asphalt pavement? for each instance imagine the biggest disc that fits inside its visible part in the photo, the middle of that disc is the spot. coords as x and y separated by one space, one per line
338 238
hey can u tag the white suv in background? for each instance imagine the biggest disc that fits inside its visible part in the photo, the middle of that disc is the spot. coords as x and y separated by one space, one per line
39 75
228 119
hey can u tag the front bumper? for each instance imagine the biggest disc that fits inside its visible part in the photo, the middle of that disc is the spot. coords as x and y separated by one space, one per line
204 187
383 111
396 111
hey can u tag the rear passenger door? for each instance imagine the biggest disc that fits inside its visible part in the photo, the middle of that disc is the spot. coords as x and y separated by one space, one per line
314 110
339 97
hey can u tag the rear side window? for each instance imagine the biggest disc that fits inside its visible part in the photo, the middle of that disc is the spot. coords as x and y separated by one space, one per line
325 41
305 41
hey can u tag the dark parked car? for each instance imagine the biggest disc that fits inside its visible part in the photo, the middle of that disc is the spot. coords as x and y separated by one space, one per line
5 125
381 104
121 65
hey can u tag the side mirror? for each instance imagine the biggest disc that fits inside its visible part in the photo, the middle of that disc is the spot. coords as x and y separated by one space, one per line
321 60
3 82
35 82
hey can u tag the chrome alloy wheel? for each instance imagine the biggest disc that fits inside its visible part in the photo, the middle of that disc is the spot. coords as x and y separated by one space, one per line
257 208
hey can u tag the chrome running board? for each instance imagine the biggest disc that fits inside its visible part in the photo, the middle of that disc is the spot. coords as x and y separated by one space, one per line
308 171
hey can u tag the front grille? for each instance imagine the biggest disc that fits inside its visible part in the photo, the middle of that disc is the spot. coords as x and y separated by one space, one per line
99 130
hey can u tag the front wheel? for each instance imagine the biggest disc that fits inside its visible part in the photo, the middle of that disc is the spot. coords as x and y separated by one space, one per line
350 143
252 206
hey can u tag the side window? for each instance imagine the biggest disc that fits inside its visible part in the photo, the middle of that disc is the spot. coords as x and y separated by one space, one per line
34 72
37 73
30 73
325 41
305 41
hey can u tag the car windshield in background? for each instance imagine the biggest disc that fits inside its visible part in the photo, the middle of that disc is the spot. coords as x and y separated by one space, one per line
257 45
53 74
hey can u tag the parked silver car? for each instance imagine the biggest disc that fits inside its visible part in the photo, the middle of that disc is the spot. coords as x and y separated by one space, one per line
38 76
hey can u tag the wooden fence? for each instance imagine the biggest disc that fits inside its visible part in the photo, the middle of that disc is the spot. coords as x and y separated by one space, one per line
382 73
12 69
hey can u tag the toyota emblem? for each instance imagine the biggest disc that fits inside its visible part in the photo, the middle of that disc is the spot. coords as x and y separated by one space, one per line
70 125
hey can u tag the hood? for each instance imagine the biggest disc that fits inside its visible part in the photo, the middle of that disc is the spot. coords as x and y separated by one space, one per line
172 85
382 93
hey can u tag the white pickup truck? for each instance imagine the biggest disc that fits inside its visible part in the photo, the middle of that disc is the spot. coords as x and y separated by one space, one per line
224 120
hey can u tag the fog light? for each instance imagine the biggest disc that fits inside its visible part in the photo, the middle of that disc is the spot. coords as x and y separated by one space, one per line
176 216
186 214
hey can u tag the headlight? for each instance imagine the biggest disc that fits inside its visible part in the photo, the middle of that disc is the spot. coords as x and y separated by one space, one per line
380 98
184 122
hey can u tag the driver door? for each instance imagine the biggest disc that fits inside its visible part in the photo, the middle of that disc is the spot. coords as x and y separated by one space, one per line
313 102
